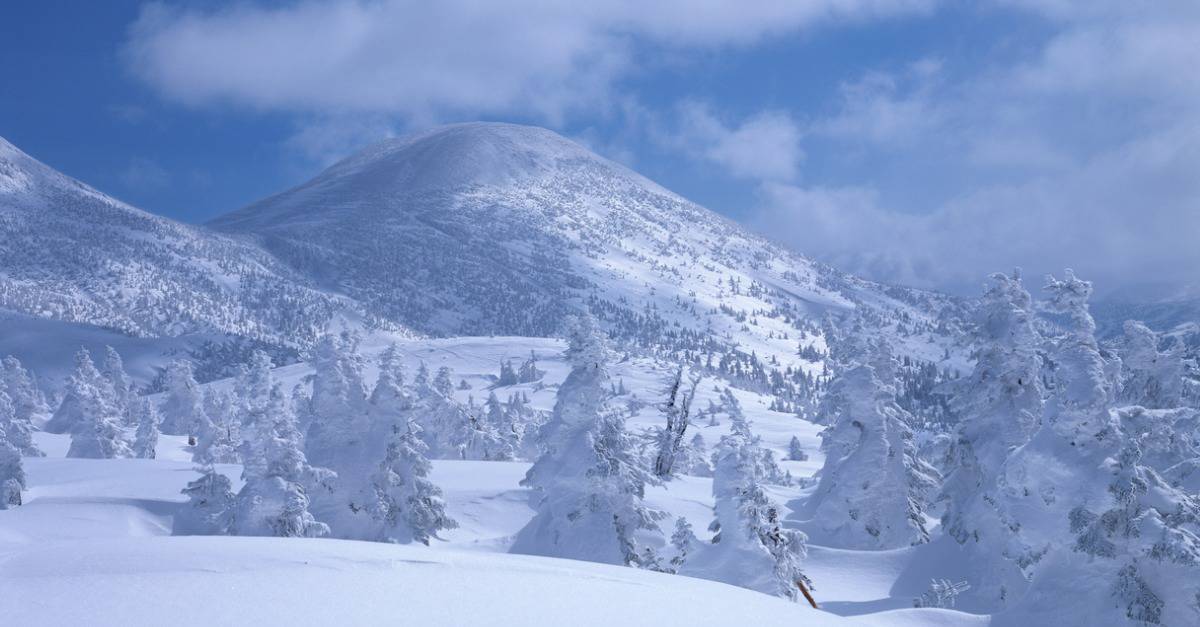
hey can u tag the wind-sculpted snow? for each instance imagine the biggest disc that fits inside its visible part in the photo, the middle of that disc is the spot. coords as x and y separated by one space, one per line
71 253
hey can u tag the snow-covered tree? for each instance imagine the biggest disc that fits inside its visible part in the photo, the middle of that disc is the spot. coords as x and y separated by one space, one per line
588 485
408 505
147 419
694 458
1078 430
211 505
1150 533
1089 508
27 403
83 385
1169 441
478 438
183 403
999 405
1150 378
120 384
528 372
12 473
443 382
873 488
508 376
796 450
339 411
274 501
750 548
220 434
682 540
421 381
677 411
88 409
252 390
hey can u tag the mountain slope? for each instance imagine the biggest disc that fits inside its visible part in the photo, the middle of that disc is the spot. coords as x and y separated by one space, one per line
71 253
501 229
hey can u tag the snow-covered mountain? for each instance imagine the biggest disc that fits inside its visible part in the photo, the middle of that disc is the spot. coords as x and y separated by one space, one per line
485 228
71 253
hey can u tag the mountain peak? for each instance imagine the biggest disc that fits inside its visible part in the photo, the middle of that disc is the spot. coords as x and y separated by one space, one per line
458 156
451 159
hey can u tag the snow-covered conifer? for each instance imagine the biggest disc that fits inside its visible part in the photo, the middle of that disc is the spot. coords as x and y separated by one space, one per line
12 473
273 501
677 411
588 485
421 381
1078 430
682 540
750 548
84 383
220 435
508 376
408 506
796 450
183 403
1150 378
999 404
339 409
1100 513
443 381
27 403
528 373
88 409
211 505
252 390
147 419
694 458
120 384
1139 552
873 488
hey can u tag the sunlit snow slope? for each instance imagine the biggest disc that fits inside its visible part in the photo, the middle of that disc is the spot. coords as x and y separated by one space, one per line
487 228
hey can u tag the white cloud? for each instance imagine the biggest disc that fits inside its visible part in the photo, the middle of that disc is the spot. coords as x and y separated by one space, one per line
763 147
1083 153
423 59
886 108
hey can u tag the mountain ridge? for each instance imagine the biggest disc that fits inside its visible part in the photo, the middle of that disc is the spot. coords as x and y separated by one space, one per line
546 226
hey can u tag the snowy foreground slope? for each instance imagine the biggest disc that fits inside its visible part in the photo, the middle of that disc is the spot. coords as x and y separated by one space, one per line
92 545
206 581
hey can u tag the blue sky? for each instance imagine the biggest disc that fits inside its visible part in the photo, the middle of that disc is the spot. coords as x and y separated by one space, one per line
920 141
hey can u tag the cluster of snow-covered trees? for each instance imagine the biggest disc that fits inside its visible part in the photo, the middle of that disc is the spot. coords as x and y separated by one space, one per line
1068 462
103 412
589 485
348 460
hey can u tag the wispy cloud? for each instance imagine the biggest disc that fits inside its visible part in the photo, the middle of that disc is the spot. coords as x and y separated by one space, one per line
422 59
1080 154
